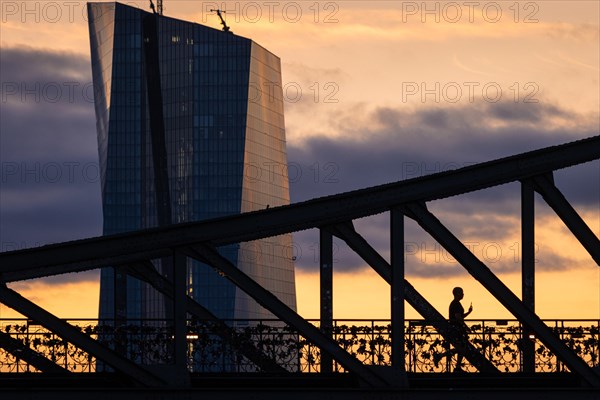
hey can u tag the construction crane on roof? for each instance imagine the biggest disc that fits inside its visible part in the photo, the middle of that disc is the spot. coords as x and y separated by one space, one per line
159 7
220 14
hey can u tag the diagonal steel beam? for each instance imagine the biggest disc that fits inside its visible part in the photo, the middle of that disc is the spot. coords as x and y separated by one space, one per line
66 331
545 186
356 242
146 272
211 256
30 356
500 291
118 249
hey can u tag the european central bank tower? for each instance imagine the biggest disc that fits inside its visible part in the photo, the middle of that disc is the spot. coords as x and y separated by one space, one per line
190 127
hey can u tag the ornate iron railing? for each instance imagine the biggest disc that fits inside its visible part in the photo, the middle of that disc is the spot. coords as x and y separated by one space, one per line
215 348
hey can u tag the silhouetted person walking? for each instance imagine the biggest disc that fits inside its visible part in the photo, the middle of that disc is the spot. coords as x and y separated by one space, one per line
459 329
457 322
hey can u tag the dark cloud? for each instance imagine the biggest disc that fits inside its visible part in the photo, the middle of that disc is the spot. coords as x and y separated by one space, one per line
41 214
394 145
26 64
514 111
47 107
49 177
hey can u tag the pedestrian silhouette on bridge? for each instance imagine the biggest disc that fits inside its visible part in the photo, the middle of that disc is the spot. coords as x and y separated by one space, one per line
458 328
457 323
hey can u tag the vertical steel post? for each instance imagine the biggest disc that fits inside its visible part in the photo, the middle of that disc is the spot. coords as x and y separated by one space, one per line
180 317
120 311
397 287
326 282
528 270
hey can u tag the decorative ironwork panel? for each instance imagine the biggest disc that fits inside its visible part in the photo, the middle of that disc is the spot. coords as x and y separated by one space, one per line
222 348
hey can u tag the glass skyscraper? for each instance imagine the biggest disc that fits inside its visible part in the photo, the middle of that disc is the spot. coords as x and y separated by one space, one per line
190 127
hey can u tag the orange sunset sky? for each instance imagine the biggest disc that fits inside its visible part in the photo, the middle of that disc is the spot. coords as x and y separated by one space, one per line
375 92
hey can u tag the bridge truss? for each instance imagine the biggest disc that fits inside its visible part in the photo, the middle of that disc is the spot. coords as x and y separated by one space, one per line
132 254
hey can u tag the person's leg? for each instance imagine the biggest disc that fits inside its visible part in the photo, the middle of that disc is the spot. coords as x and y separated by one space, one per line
459 352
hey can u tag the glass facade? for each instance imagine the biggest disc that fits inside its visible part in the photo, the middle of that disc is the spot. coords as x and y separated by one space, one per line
190 127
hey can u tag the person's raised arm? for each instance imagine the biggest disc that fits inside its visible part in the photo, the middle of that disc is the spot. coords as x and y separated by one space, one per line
468 312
